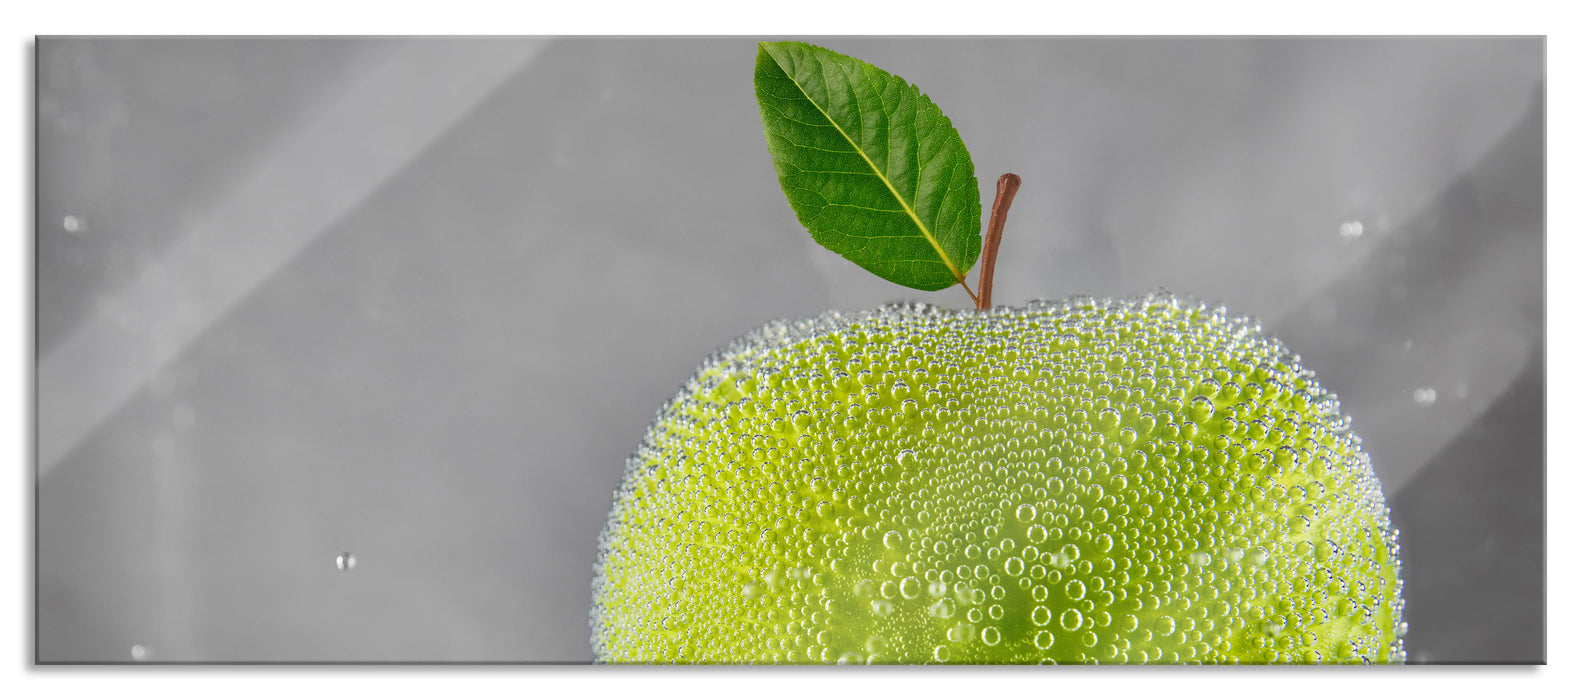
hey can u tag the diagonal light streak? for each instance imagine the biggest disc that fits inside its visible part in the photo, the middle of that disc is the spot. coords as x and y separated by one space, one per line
318 171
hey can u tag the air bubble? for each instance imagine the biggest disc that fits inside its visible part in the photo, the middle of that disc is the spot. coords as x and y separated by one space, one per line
990 636
911 588
1257 556
942 608
1037 534
1165 626
346 561
1075 590
1425 396
874 645
1109 419
1041 615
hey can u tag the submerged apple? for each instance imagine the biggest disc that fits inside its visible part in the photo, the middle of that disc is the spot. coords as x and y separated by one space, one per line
1092 481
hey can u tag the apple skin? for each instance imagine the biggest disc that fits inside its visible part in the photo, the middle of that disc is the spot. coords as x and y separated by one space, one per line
1147 480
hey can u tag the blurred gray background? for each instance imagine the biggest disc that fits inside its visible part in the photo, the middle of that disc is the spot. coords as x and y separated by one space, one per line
417 299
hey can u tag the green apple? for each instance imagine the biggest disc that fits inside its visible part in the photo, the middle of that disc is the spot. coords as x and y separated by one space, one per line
1089 481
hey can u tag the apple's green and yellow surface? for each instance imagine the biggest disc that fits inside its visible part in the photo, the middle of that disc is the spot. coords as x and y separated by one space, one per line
1093 481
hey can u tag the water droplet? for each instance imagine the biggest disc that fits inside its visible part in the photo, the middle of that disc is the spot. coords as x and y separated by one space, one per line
1014 566
1070 620
892 540
1026 512
1425 396
941 653
73 224
1202 408
1351 230
139 652
1044 639
345 561
991 636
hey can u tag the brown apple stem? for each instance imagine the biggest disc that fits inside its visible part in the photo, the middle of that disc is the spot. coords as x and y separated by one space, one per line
1004 192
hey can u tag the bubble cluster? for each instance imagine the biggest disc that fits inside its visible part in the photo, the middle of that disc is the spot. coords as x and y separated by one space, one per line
1090 481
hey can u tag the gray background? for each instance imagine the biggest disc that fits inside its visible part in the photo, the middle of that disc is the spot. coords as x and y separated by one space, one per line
418 299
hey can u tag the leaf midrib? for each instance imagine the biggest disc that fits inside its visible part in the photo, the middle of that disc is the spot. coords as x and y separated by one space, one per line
927 234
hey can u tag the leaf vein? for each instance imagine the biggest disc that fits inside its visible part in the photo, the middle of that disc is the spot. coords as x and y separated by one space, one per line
927 234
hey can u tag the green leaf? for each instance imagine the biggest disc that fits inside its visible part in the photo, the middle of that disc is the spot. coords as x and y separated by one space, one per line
870 165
